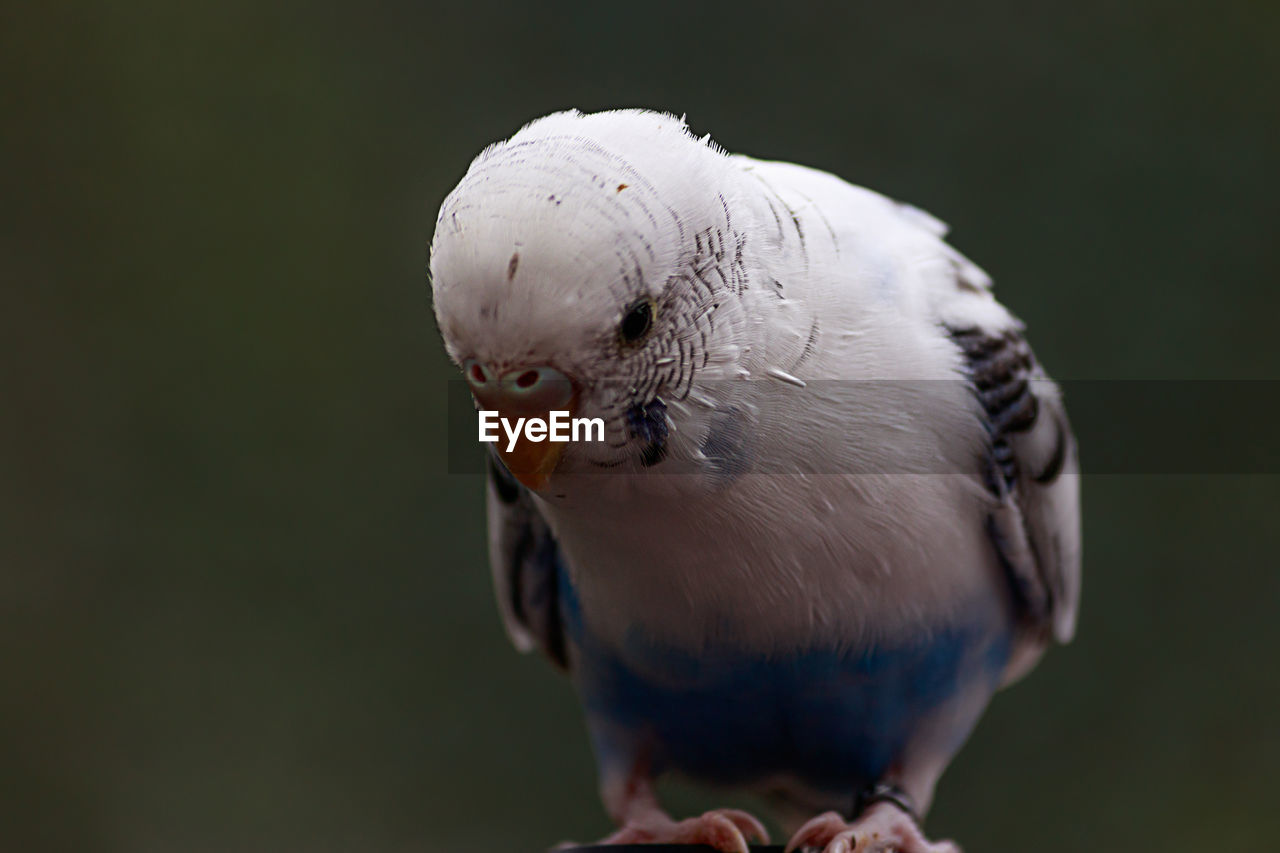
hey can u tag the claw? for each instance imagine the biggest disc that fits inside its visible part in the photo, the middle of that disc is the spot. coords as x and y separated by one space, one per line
726 830
843 843
746 824
879 829
714 830
817 832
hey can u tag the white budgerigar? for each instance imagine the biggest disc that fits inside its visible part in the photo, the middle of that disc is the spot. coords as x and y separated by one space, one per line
835 506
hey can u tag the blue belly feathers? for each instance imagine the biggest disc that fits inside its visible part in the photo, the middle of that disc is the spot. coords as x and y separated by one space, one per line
837 720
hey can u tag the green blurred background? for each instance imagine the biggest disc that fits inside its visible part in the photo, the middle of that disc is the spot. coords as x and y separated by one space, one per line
243 607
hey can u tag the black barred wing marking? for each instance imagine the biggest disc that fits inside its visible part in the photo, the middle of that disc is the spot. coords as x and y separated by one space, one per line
1036 522
1000 365
526 564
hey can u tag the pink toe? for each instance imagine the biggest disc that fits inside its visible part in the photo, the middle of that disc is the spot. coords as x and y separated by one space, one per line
817 832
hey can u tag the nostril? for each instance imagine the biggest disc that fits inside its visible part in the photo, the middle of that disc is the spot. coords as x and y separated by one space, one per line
476 374
541 387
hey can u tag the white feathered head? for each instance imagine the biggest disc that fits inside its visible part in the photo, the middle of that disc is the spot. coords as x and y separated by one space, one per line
590 263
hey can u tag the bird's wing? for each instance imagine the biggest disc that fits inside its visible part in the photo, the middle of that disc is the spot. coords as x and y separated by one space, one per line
526 564
1031 460
1031 466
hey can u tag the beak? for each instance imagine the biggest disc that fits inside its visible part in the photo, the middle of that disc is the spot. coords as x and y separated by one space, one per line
528 393
532 463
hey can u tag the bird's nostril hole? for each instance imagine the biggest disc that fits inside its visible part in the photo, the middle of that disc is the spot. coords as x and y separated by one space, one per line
527 379
477 374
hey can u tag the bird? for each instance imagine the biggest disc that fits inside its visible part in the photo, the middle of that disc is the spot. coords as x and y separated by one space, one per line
834 506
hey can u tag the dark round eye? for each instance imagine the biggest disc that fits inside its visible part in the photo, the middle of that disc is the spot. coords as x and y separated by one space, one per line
637 322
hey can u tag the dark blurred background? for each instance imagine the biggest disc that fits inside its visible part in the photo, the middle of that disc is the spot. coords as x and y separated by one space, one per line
243 605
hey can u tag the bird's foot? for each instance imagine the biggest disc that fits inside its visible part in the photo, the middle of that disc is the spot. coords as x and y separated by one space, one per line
724 829
881 828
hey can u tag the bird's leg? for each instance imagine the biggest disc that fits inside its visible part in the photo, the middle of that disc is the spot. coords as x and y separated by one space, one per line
880 828
633 804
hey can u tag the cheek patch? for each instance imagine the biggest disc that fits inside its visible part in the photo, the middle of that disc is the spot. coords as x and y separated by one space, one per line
648 423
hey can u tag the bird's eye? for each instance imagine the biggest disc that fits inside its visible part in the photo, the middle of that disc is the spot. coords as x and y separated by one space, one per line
635 325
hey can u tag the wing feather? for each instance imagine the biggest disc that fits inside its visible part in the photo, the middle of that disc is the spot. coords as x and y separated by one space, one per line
526 564
1032 467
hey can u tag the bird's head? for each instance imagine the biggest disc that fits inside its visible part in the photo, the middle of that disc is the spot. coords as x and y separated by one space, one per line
590 264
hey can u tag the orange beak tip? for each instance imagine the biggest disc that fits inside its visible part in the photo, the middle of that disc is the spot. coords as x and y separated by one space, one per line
530 462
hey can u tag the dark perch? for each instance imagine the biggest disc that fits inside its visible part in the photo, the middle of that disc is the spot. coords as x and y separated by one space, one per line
661 848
